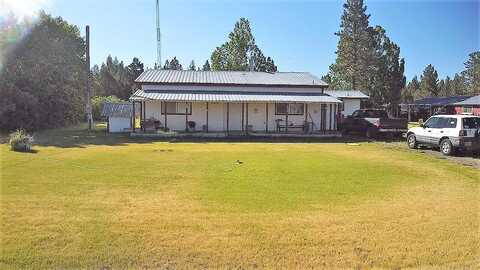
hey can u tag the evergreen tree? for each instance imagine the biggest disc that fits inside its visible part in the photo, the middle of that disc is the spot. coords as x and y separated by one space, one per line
166 65
135 69
192 66
355 48
240 52
174 64
429 82
206 66
472 73
412 90
459 85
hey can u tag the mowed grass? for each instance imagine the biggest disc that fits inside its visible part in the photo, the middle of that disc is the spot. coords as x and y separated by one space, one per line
176 205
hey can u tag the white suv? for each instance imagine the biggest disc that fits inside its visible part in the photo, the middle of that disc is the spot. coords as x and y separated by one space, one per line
448 132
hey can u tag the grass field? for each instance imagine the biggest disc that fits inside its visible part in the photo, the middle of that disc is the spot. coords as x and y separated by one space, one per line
91 201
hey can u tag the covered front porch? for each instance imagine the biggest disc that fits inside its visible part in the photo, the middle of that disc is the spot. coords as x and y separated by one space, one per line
231 115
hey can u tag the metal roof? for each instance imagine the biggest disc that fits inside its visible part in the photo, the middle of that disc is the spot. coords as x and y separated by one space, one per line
346 94
232 96
160 76
117 110
439 101
473 101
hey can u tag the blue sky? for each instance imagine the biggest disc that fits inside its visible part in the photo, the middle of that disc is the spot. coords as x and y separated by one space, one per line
299 35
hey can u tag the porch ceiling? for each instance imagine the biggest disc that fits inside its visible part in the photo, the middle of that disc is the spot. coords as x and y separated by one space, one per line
205 96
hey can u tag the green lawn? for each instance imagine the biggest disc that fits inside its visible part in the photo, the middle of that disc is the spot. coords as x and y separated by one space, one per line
87 200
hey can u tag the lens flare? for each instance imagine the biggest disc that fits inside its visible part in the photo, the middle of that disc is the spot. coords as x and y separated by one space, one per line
17 17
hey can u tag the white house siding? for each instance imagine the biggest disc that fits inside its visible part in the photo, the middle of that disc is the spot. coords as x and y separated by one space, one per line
350 105
118 124
217 116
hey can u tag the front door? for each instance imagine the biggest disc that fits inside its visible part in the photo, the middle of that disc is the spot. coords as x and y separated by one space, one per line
216 117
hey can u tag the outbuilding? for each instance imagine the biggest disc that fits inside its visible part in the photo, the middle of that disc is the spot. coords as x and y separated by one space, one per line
119 117
351 100
468 106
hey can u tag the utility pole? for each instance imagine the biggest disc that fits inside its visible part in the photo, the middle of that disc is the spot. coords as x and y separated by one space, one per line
159 44
88 107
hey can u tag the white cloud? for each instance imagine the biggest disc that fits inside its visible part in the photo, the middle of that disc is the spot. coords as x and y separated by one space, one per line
22 8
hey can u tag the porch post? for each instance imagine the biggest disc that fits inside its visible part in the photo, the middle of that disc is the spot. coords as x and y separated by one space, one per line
266 117
335 116
228 118
164 105
246 119
133 114
286 120
186 119
243 116
144 114
307 129
141 116
330 117
206 128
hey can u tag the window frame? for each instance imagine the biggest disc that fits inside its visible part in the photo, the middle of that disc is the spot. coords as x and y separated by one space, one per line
288 108
189 104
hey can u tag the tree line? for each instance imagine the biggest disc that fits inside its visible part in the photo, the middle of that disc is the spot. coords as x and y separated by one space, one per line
43 76
368 60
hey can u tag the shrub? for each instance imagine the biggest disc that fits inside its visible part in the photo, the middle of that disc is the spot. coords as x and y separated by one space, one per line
21 141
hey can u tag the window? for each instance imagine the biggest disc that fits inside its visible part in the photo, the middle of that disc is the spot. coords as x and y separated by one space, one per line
447 122
468 110
291 108
432 122
177 108
471 123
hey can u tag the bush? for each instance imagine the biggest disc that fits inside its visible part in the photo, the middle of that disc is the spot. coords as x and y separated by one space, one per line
97 105
21 141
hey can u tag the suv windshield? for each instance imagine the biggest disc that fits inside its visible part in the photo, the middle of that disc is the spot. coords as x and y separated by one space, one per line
471 123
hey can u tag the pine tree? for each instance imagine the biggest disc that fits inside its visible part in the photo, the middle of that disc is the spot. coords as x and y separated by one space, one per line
429 82
166 65
206 66
412 90
192 66
472 73
459 85
355 48
240 52
174 64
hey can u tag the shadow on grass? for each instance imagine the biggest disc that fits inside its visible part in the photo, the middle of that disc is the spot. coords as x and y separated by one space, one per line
80 137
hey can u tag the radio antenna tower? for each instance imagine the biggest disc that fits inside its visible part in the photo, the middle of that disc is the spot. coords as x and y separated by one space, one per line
159 43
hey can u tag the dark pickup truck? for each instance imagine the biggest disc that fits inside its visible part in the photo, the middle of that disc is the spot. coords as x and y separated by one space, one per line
373 122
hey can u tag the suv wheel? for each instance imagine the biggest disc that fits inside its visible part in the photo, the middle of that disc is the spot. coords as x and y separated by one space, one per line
446 147
412 141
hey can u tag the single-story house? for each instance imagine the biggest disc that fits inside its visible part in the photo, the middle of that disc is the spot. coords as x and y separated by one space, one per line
426 107
119 116
235 102
351 100
468 106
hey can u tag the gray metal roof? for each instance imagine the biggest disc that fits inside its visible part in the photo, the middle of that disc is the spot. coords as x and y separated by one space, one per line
346 94
231 96
117 110
439 101
473 101
230 78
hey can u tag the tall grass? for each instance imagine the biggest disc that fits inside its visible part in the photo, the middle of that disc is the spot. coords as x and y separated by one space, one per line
20 141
